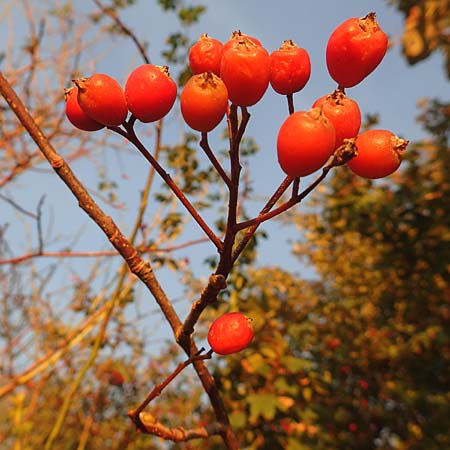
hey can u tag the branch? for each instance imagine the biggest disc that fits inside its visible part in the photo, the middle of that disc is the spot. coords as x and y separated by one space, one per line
209 294
204 144
132 137
286 205
39 225
17 206
341 156
269 205
127 31
98 253
179 434
157 390
236 131
141 269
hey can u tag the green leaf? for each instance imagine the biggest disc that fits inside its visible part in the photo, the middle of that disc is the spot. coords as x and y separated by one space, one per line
293 444
264 405
238 419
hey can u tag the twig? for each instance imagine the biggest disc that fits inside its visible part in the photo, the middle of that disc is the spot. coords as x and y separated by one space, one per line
132 137
179 434
110 12
285 206
19 208
209 294
290 100
148 184
39 225
97 253
237 132
269 205
157 390
204 144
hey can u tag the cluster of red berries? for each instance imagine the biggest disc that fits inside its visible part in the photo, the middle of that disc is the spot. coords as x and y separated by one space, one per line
240 71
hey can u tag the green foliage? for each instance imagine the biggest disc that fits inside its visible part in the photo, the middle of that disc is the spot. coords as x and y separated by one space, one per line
168 5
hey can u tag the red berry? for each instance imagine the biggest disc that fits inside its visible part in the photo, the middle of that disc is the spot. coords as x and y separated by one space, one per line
379 154
364 384
290 68
245 70
205 55
116 378
343 113
76 115
230 333
237 36
150 92
354 50
101 98
204 101
305 142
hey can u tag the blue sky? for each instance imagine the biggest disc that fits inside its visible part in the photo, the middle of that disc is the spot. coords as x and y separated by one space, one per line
392 90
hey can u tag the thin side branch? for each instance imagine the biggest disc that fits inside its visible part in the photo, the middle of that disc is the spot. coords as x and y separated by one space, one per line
127 31
98 253
152 426
286 205
204 144
132 137
209 294
157 390
268 206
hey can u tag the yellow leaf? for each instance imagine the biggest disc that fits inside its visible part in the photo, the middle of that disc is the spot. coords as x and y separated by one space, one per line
307 393
285 402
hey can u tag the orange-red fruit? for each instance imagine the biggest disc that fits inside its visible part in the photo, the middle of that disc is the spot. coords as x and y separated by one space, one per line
76 115
101 97
305 142
344 114
230 333
150 92
379 154
204 101
290 68
205 55
245 70
237 36
354 50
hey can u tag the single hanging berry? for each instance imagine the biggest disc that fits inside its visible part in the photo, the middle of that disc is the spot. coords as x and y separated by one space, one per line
305 142
245 70
355 48
290 68
230 333
344 114
205 55
379 154
76 115
150 92
204 101
102 98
